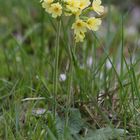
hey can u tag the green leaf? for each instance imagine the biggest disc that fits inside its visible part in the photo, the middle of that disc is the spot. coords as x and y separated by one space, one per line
105 134
75 121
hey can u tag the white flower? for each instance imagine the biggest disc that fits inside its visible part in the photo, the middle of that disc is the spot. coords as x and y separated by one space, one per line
62 77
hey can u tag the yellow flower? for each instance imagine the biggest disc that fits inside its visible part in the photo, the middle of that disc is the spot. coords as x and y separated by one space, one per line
47 4
79 26
56 10
93 23
96 5
79 37
84 4
76 8
73 5
78 13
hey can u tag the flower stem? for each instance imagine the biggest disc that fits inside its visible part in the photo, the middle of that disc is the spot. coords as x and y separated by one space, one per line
56 67
70 100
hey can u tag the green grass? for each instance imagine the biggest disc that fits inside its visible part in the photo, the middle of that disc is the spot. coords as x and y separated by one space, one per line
97 101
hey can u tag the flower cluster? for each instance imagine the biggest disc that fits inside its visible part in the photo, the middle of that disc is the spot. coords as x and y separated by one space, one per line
78 8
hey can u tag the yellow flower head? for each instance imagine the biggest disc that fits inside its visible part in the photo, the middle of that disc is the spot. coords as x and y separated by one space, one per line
56 10
78 8
93 23
73 5
79 37
97 7
47 4
79 26
77 14
84 4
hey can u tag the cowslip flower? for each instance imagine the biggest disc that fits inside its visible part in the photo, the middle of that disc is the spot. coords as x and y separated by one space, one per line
79 26
79 9
47 4
72 5
56 10
79 30
84 4
79 37
97 7
93 23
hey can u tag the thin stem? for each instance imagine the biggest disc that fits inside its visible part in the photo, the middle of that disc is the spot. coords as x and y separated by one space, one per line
70 100
122 48
56 65
42 41
72 71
